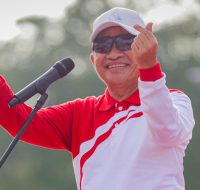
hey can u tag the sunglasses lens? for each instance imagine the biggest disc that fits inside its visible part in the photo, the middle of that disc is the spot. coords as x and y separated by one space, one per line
124 42
102 45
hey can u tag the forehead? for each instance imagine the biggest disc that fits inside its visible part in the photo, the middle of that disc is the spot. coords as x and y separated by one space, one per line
113 31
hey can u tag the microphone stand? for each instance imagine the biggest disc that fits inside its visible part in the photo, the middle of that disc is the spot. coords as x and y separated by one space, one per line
39 104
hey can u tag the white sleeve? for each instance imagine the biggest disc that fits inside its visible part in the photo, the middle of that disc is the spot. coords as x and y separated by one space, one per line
169 114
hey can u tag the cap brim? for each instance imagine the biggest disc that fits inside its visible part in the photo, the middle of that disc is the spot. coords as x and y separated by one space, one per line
109 24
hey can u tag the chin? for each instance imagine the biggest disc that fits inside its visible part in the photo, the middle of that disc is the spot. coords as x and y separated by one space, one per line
115 82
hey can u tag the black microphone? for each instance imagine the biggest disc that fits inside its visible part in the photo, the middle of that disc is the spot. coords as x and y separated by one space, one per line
40 85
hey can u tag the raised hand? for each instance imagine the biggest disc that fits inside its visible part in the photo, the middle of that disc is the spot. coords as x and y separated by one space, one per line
145 47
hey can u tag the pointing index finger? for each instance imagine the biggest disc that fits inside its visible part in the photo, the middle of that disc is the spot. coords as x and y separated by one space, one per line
138 28
147 31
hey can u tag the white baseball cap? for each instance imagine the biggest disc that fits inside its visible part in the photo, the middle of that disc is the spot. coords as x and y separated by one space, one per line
126 18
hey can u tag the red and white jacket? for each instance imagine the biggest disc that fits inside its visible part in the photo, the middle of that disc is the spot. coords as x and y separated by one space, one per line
136 144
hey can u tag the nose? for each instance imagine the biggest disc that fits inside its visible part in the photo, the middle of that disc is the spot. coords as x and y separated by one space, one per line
114 53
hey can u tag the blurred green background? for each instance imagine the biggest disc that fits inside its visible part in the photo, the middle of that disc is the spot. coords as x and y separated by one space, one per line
45 41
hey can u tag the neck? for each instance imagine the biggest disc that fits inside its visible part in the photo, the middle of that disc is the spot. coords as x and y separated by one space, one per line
120 93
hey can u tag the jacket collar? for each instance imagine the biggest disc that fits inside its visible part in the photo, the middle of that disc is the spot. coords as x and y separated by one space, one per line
107 102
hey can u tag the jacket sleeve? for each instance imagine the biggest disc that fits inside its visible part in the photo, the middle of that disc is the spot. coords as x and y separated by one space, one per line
168 113
50 128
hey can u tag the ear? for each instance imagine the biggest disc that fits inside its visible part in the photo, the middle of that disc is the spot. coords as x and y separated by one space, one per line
92 58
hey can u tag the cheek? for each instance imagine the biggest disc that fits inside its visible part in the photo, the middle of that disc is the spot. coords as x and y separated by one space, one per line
129 55
98 59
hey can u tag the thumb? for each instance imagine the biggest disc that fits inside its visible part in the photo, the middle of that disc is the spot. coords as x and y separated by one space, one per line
149 26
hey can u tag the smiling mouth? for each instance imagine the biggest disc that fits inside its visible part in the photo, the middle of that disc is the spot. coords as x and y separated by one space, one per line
116 66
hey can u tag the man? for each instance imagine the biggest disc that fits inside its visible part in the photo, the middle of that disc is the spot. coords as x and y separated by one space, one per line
131 138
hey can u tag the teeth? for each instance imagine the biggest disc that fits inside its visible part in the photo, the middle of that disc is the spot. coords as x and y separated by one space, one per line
116 65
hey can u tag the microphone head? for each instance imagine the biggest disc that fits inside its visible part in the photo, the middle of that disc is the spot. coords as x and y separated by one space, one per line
64 66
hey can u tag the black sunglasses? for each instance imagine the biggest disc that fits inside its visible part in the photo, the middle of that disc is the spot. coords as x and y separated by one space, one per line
104 44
